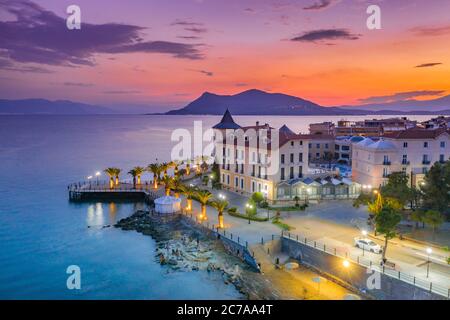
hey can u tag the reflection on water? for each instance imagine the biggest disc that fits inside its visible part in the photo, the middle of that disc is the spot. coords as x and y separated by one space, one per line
108 213
95 215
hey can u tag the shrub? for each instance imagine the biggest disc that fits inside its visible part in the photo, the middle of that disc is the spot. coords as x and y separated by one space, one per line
232 210
257 197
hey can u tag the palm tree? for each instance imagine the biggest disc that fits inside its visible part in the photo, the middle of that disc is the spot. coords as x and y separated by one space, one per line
188 192
111 172
139 171
117 173
168 184
177 186
188 167
155 168
164 167
220 206
203 196
135 173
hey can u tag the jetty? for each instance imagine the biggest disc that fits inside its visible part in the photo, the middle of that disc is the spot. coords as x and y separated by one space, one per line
100 190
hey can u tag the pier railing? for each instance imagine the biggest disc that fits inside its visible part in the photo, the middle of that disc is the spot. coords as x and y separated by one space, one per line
368 263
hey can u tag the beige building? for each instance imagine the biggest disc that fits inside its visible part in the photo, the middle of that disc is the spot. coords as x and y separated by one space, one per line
260 158
412 151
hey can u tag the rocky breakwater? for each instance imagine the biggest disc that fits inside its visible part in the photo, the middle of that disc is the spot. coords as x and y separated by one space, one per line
181 247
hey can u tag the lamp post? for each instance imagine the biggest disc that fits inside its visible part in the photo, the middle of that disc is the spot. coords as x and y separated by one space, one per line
265 200
249 207
364 233
429 251
97 174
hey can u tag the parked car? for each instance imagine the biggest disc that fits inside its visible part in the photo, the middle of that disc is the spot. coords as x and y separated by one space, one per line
368 245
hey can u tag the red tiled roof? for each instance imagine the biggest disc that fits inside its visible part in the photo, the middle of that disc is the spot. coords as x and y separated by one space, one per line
416 133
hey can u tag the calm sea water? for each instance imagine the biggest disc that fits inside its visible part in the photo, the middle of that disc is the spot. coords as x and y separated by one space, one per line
42 233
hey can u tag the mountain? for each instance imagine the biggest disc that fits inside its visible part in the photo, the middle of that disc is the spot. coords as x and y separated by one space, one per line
43 106
257 102
434 105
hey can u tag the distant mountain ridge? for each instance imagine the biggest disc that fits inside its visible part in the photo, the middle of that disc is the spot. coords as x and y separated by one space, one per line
43 106
255 102
439 104
258 102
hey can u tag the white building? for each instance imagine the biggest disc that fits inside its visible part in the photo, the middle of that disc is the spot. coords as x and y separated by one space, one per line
412 151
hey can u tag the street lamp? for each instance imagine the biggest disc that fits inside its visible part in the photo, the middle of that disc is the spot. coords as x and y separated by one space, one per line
97 174
249 207
429 251
346 264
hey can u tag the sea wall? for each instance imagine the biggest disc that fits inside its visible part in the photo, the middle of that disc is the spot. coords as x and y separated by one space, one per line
233 246
355 275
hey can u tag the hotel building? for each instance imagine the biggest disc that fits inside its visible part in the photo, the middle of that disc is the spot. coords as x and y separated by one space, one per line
275 162
412 151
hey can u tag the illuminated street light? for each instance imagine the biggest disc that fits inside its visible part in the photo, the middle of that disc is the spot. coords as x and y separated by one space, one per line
97 173
346 264
364 233
89 178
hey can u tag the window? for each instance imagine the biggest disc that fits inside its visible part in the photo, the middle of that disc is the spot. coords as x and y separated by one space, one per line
282 174
291 173
300 157
405 144
300 172
425 144
441 158
228 179
292 157
405 159
317 155
336 147
442 144
326 145
282 158
310 145
292 143
345 148
242 183
318 145
253 186
236 182
301 142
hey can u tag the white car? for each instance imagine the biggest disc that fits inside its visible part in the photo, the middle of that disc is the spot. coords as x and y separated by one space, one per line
368 245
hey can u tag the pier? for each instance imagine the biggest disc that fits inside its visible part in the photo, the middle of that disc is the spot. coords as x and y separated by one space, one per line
100 190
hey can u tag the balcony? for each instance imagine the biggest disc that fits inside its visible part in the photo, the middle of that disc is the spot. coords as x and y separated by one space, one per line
405 162
386 163
386 175
426 161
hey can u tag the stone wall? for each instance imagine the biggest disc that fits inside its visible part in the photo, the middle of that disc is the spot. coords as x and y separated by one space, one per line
355 275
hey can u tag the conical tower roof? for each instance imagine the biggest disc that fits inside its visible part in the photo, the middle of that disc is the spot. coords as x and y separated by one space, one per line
227 122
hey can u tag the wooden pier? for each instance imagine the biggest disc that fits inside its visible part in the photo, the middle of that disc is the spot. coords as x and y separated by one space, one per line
89 191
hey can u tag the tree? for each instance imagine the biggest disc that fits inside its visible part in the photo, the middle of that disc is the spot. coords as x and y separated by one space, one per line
297 199
397 188
168 184
203 196
363 199
251 207
133 173
436 188
220 206
117 173
139 171
177 186
188 192
386 222
257 198
111 172
155 168
418 216
434 219
164 167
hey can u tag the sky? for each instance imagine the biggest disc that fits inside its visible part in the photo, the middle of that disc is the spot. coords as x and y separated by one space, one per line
163 54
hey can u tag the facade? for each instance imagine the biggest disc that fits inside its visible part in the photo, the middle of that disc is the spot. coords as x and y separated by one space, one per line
272 161
320 147
373 127
343 148
325 128
412 151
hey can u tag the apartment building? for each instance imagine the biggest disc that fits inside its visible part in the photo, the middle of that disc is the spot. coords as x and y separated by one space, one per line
412 151
373 127
321 147
325 128
275 162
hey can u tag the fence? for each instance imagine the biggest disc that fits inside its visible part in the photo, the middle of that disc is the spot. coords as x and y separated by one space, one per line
367 263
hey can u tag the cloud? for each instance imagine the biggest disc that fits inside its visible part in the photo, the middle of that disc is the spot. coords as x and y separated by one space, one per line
241 84
427 31
427 65
78 84
122 92
185 23
206 73
189 37
326 34
40 36
321 4
25 68
196 30
402 96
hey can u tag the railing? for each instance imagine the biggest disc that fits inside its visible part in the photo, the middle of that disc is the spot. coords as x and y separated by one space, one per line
367 263
405 162
426 161
386 163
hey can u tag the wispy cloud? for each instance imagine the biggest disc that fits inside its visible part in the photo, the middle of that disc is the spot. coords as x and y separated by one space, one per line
326 35
427 65
25 68
205 72
40 36
431 30
78 84
402 96
321 4
122 92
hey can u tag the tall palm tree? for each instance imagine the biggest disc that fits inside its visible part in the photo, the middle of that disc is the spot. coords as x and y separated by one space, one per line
203 196
117 173
188 167
111 172
139 171
220 206
134 174
177 187
168 184
164 167
188 192
155 168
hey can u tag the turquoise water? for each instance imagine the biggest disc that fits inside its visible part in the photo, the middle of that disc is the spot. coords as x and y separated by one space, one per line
42 233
